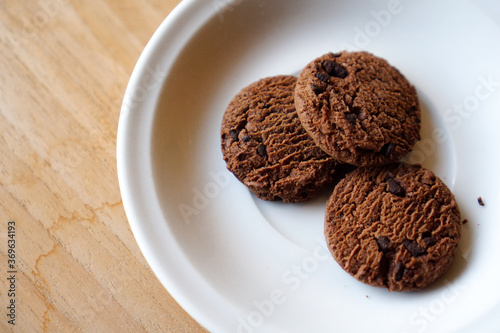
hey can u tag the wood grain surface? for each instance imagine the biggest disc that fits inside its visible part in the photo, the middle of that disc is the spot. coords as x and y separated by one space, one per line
75 265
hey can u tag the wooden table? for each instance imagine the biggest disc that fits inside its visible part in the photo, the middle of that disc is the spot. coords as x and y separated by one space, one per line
75 265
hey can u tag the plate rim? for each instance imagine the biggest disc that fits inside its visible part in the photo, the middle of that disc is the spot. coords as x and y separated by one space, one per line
187 11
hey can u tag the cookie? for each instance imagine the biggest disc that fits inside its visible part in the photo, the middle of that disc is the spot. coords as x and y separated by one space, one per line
266 147
358 108
395 226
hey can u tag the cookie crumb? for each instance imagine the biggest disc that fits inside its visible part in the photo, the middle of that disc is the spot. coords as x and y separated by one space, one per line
480 201
465 221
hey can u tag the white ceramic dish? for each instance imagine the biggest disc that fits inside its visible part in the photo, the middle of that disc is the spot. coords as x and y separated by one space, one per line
238 264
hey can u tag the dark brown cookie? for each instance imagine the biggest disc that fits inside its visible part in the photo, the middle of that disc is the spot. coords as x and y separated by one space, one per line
266 147
395 226
358 108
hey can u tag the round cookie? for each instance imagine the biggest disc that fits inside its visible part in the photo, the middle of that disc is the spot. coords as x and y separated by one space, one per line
358 108
266 147
395 226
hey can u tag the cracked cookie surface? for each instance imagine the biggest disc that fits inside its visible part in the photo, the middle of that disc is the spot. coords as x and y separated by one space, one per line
396 226
265 146
358 108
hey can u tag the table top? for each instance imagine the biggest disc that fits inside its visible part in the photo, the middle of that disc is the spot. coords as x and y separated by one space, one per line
70 262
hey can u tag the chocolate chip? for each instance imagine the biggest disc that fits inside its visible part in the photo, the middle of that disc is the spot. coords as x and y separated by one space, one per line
334 69
351 117
317 89
400 271
359 112
480 201
414 249
383 267
322 77
261 150
429 241
246 138
389 175
396 188
387 149
234 134
383 243
328 66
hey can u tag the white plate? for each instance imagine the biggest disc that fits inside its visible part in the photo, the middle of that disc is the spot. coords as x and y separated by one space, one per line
238 264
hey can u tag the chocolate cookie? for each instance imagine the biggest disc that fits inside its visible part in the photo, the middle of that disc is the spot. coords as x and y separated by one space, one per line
395 226
358 108
266 147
